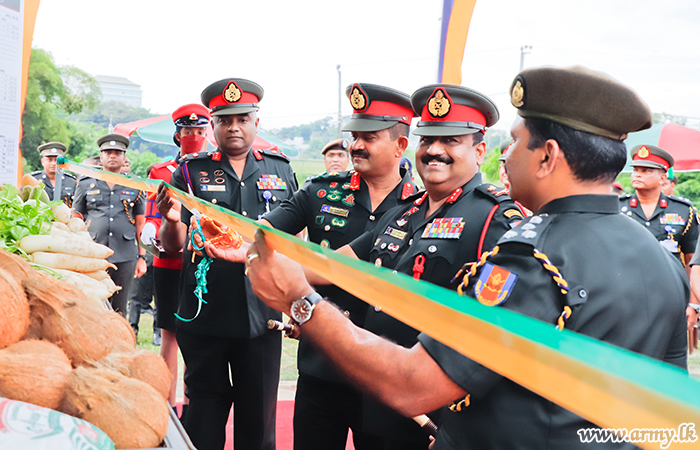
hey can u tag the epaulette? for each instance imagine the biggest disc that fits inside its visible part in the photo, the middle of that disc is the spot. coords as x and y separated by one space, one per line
625 196
163 164
84 177
497 194
333 175
200 155
66 174
275 153
528 232
681 200
36 172
415 196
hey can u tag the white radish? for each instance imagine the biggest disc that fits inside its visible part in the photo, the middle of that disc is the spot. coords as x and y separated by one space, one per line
70 262
86 281
98 275
84 235
58 244
62 212
76 224
111 287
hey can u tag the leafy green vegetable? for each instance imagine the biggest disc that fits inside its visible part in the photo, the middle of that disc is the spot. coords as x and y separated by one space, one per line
19 219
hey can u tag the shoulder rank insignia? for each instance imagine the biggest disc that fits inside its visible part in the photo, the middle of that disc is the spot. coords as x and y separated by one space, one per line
633 202
494 285
406 190
355 181
512 212
444 228
271 182
663 203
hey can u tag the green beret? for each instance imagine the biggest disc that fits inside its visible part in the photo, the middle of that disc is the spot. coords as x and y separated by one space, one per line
580 98
113 142
232 96
337 144
651 156
451 110
52 149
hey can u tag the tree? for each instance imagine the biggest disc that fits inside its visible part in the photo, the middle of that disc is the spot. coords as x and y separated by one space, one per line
49 100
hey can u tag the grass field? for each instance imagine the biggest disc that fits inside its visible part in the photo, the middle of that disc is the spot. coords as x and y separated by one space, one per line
288 369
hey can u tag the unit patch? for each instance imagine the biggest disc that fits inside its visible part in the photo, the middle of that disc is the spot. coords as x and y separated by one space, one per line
335 211
494 285
271 182
444 228
333 196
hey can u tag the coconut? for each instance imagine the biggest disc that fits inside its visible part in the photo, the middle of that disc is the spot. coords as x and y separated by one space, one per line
129 411
142 365
16 266
84 329
14 310
34 372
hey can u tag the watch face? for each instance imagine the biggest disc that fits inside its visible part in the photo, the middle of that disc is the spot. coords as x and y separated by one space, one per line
301 310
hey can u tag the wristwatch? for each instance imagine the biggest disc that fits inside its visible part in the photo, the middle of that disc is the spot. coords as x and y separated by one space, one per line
142 257
303 307
695 306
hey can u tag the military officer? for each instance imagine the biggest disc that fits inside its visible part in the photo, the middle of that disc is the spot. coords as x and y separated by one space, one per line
228 334
336 156
58 184
670 219
116 217
453 222
568 148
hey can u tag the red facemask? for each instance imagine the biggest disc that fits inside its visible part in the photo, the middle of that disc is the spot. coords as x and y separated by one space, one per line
192 143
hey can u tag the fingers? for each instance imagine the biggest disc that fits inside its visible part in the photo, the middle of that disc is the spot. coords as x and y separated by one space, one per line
260 245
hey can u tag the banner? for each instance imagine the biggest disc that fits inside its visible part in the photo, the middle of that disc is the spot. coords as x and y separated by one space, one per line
456 15
610 386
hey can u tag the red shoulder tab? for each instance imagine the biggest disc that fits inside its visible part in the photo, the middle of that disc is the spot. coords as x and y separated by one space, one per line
633 203
407 191
501 192
663 203
216 156
491 188
257 155
355 181
421 200
454 195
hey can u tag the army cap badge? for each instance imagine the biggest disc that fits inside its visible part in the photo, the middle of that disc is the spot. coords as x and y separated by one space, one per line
451 110
651 156
377 107
232 96
113 142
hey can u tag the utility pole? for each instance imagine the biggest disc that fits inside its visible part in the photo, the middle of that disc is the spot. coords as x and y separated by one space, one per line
340 99
524 50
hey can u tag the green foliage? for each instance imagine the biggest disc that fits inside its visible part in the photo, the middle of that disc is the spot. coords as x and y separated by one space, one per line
19 218
490 166
689 186
52 93
114 113
140 162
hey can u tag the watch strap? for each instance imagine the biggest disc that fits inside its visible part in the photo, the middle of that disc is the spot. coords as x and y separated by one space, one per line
313 298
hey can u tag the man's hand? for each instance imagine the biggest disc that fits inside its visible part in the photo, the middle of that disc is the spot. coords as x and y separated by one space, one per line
276 279
167 207
692 317
230 254
140 268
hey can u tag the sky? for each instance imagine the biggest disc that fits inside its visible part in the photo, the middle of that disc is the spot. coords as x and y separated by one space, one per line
175 48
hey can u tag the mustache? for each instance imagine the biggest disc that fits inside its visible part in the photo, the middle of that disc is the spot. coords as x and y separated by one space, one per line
425 159
360 152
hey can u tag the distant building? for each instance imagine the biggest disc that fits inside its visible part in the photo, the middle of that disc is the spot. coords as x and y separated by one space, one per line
119 89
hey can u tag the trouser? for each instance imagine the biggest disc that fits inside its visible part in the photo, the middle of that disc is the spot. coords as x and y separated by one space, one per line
142 295
123 276
251 387
323 413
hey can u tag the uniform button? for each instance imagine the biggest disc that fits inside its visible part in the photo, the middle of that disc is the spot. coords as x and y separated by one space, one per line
110 233
93 199
648 224
242 184
346 313
213 201
111 206
111 219
327 227
410 241
244 213
112 192
371 218
377 308
432 249
274 199
582 293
